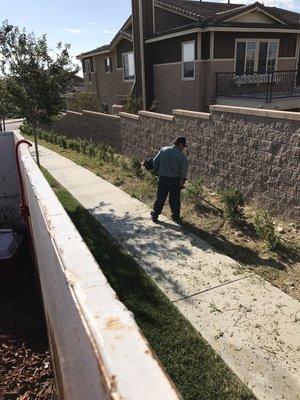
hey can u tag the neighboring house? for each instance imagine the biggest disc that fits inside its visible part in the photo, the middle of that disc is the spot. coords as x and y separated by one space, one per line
191 54
71 90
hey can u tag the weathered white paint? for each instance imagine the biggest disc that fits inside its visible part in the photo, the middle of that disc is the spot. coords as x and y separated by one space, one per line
98 350
9 184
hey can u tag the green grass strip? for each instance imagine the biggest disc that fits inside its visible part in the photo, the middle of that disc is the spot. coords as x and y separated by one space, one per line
197 371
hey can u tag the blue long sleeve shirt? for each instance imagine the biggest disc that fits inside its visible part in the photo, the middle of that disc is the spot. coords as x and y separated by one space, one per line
170 162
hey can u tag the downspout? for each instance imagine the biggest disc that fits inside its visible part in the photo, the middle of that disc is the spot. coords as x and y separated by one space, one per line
142 41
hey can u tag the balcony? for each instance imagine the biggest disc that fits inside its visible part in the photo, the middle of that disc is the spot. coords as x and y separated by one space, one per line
263 87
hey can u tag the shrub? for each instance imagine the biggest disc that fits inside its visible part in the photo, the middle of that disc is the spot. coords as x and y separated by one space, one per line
194 190
136 166
26 129
149 185
233 201
87 101
133 104
265 229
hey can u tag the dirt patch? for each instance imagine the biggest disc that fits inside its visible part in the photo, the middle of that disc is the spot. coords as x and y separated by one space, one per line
25 365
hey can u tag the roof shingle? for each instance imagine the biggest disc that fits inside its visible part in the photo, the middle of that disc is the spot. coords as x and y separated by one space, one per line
208 13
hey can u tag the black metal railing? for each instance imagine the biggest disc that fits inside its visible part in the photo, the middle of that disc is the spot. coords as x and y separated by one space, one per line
265 86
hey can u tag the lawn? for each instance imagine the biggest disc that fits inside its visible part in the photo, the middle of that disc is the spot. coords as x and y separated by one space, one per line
197 371
239 241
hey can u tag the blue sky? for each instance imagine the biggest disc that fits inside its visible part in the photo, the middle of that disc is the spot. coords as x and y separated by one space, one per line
85 24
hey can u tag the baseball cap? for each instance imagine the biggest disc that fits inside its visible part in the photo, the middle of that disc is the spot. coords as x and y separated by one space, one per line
180 140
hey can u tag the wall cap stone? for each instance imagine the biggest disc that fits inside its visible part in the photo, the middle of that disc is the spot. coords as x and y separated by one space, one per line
229 109
276 114
149 114
192 114
128 115
73 113
98 114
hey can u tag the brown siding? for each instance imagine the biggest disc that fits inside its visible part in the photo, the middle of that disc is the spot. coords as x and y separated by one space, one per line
148 17
169 50
147 12
123 47
173 92
111 87
288 44
205 46
225 42
165 20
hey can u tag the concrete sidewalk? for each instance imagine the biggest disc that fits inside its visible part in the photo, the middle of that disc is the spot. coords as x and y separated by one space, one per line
253 326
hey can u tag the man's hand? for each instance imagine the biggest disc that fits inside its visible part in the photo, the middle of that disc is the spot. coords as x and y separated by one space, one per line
182 183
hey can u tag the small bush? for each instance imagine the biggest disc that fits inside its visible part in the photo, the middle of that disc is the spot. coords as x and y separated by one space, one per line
194 190
136 166
148 186
133 104
233 201
120 179
86 101
26 129
265 229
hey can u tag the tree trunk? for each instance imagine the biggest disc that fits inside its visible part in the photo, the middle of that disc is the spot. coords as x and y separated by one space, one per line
36 145
3 124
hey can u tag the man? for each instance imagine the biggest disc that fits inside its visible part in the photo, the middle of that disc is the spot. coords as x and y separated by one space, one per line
172 166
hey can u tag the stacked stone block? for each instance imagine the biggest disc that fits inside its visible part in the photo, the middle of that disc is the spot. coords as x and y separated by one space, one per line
256 151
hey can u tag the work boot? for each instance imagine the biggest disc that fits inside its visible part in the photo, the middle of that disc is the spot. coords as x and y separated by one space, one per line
154 217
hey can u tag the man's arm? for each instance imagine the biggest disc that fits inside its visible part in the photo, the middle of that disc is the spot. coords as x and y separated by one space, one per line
156 162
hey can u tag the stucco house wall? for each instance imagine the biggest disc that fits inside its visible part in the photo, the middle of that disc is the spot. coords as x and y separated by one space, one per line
111 87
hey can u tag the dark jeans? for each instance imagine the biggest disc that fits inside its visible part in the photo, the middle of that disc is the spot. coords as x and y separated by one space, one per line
171 187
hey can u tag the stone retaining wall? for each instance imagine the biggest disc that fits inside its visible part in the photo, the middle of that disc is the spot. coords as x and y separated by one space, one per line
91 125
257 151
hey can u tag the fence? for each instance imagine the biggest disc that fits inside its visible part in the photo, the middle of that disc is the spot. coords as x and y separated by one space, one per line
266 86
97 349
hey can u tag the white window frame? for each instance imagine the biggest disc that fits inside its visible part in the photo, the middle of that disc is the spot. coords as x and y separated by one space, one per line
182 61
88 71
110 64
125 54
257 41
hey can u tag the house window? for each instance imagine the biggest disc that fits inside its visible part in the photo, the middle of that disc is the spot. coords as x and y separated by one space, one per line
128 66
88 70
256 56
107 64
188 60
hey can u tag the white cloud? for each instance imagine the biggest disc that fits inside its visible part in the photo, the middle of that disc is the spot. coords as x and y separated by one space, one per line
73 30
287 4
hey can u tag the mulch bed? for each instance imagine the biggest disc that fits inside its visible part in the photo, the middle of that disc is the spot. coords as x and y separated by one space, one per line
25 366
